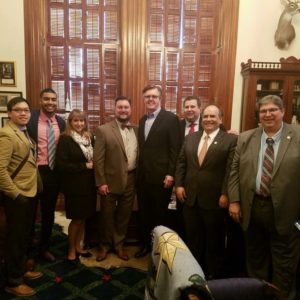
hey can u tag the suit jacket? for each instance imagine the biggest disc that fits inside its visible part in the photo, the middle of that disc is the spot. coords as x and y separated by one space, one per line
76 179
14 148
110 160
206 183
158 153
32 126
285 188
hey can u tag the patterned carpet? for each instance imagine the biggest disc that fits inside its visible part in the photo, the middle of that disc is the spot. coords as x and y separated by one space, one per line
64 280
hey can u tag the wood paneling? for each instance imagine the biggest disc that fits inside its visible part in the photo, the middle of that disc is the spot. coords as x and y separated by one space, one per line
133 54
225 54
35 19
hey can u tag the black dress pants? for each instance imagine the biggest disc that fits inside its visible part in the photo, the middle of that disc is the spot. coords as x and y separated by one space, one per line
48 200
20 213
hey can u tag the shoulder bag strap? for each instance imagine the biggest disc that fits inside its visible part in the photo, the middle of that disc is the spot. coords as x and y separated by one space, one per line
20 166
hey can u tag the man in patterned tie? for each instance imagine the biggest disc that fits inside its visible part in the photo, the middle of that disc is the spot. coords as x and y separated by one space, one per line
264 194
44 128
201 185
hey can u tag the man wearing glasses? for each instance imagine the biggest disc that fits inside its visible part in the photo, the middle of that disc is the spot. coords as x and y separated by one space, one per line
18 182
264 195
159 144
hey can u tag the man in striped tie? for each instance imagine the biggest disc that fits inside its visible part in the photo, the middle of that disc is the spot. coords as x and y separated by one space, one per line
264 193
44 128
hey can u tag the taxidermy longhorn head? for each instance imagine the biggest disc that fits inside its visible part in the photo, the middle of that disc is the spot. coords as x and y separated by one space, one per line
285 32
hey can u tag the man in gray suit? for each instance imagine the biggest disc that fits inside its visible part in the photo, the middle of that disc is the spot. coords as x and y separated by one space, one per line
115 155
264 194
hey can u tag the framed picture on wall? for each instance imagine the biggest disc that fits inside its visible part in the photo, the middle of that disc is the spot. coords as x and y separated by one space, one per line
7 73
4 121
5 97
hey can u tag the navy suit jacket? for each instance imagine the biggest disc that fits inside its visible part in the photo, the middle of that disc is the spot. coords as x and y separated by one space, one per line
158 153
32 126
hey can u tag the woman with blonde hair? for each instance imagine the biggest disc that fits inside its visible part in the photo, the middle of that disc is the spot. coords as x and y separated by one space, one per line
74 159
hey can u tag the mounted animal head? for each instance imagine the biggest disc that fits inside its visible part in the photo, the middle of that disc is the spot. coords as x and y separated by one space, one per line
285 32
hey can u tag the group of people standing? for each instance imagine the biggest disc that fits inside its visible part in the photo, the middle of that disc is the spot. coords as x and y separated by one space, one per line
195 155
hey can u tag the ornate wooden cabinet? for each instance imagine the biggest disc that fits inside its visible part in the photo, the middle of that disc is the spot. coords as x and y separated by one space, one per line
263 78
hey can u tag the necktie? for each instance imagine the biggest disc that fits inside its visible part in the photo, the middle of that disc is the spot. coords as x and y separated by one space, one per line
267 169
192 128
203 150
51 145
30 142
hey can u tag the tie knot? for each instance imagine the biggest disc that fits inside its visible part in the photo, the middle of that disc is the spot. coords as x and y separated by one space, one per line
270 141
150 115
192 124
207 137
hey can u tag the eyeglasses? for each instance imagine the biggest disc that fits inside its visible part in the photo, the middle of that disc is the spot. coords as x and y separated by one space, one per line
151 96
21 110
270 110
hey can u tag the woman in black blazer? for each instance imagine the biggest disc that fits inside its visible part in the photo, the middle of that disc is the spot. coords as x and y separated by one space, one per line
74 159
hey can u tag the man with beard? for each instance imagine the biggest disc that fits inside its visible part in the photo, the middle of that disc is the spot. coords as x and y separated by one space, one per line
115 155
44 128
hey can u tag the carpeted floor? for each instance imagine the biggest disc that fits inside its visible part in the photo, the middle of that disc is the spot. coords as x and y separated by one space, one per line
64 280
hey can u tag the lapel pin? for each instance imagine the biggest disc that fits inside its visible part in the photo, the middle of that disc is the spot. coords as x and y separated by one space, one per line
215 142
288 137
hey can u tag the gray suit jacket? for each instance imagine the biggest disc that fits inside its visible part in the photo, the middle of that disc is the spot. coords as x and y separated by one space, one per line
110 160
285 188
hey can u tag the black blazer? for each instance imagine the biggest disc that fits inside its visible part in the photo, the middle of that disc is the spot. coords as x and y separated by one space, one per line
32 126
158 154
207 183
76 179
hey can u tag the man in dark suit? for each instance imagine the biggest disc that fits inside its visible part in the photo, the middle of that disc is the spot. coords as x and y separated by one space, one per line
17 156
201 185
38 128
264 194
115 156
192 116
159 143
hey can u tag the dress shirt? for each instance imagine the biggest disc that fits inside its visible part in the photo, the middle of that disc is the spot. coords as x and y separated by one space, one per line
188 127
210 140
150 120
130 144
42 158
263 146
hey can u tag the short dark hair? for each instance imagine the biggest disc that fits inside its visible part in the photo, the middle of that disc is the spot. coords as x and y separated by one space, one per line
123 98
151 87
188 98
47 90
274 99
14 101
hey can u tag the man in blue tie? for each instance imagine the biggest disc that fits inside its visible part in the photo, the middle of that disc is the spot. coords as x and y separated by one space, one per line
44 128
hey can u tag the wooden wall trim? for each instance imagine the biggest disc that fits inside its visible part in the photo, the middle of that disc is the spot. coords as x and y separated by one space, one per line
133 53
35 49
225 57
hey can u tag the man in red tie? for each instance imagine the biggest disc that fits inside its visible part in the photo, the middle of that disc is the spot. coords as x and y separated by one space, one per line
192 119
